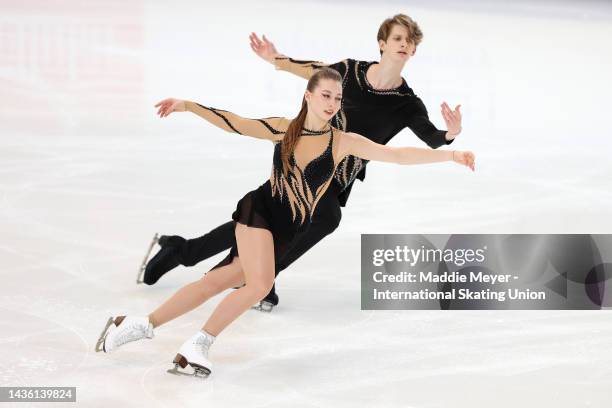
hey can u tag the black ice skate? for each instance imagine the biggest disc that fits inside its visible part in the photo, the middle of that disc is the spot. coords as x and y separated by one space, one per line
167 258
143 265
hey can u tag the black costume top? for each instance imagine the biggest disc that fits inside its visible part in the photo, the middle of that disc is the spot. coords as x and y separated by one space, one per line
284 204
376 114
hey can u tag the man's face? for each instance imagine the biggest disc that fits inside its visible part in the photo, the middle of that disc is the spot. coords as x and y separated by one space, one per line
398 46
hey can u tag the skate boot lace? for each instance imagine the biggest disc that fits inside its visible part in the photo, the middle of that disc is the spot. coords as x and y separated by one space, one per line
132 332
202 343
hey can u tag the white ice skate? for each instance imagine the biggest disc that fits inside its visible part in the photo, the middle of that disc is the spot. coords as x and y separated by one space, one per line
123 329
194 353
143 265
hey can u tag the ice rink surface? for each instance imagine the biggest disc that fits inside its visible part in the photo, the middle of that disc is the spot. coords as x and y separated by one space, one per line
88 173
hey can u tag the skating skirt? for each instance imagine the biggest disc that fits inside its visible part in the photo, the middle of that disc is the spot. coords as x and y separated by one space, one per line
259 209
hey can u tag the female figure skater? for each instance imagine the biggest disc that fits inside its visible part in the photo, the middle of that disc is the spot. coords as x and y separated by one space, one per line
307 150
377 103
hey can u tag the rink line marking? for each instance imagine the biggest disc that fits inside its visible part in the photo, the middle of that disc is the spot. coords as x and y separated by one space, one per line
142 385
87 351
19 339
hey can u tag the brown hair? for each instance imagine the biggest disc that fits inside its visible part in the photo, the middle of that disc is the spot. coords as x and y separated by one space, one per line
294 130
414 31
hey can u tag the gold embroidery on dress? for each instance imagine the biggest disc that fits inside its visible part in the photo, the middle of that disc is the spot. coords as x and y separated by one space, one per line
357 74
346 172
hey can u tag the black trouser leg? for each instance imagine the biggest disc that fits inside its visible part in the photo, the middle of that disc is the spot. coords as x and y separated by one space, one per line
195 250
176 250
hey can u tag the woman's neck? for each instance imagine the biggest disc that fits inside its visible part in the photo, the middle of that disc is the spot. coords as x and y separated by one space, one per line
385 75
312 122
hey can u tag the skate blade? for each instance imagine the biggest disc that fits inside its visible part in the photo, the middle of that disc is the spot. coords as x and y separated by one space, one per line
198 372
180 363
143 265
263 306
102 338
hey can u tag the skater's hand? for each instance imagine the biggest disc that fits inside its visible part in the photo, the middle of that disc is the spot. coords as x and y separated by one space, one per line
466 158
169 105
264 49
452 119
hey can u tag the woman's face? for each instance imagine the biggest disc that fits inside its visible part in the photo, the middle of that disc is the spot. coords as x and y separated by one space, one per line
324 101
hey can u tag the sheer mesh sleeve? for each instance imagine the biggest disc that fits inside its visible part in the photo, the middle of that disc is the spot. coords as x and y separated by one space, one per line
306 69
273 128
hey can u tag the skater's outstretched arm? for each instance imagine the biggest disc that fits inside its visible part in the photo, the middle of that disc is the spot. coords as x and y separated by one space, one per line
357 145
266 50
273 128
301 68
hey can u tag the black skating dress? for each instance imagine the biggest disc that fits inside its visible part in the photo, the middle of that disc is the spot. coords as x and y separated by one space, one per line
285 203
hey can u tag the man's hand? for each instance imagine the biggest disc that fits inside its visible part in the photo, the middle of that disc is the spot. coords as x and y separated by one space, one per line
264 49
452 119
